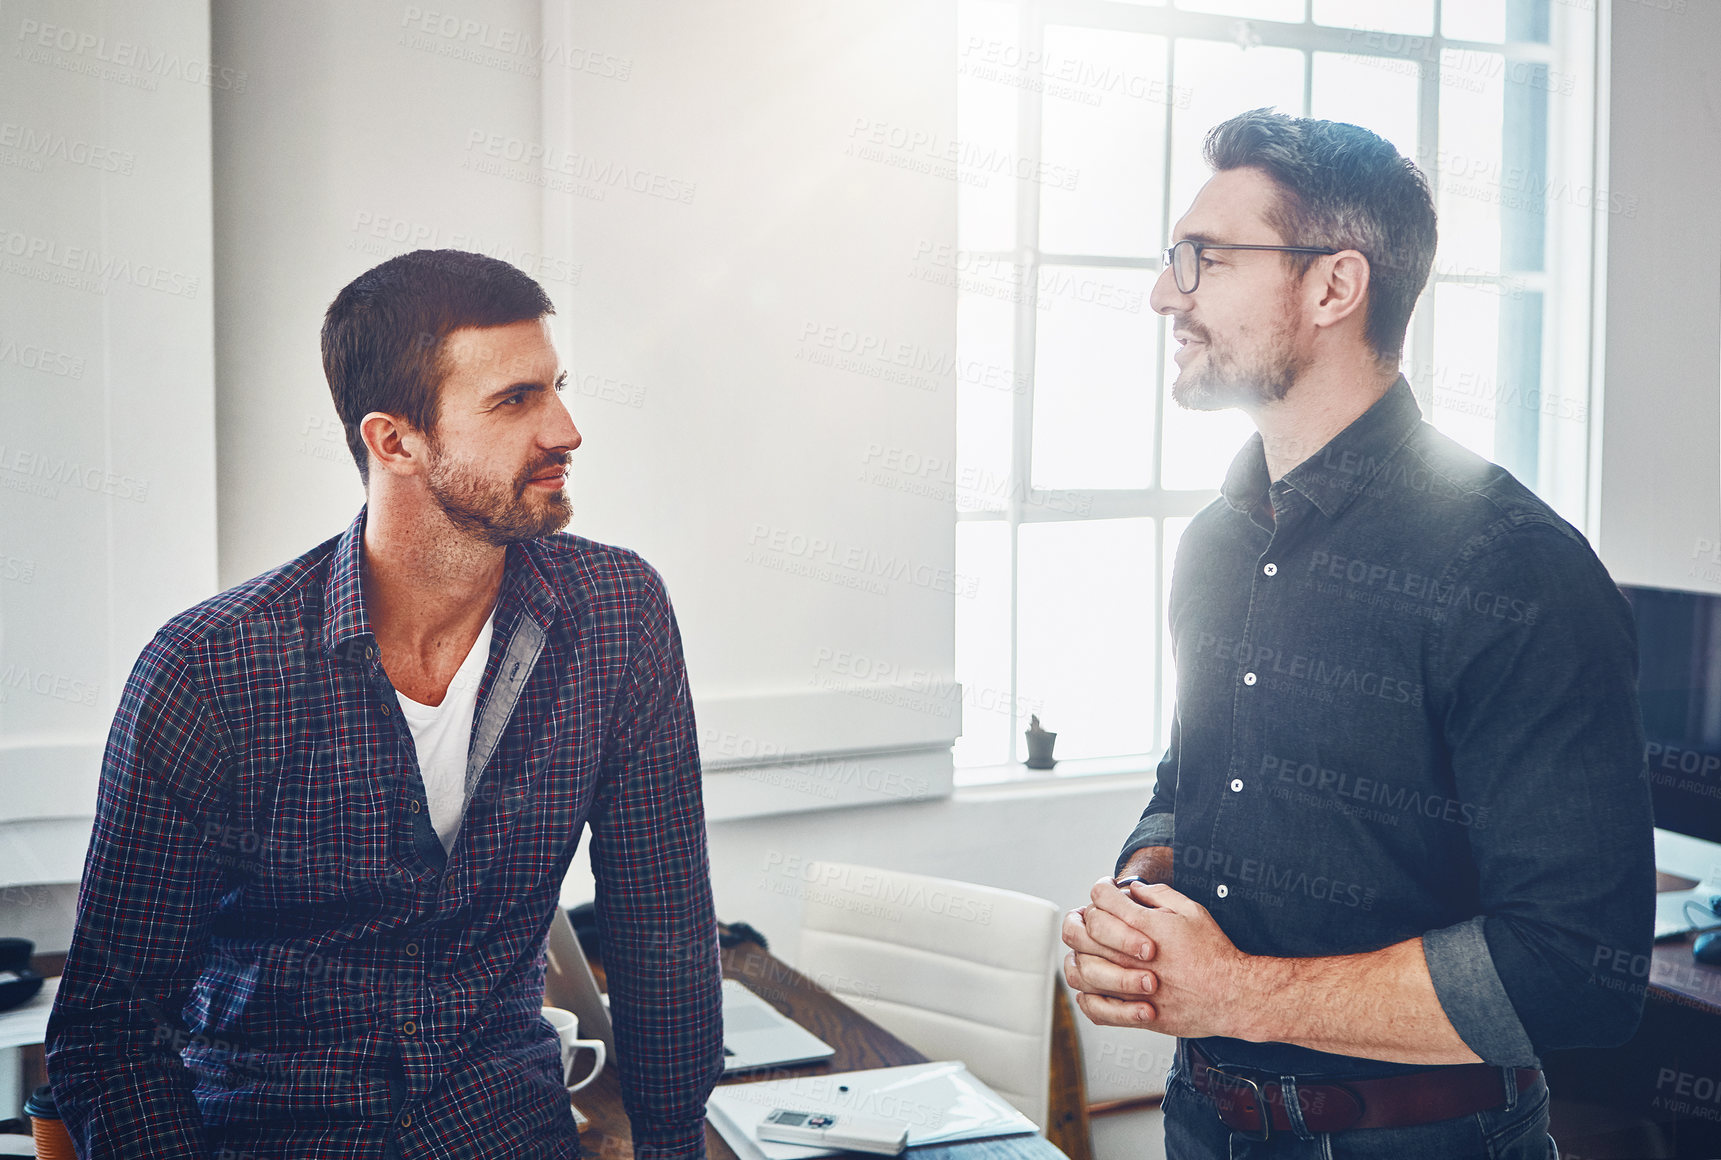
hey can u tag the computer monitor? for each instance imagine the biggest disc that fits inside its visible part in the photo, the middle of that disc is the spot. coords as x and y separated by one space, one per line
1679 685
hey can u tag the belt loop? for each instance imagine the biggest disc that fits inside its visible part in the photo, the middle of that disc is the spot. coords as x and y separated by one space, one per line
1509 1080
1294 1106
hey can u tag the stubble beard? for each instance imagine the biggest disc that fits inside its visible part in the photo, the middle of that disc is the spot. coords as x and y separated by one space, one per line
499 513
1223 379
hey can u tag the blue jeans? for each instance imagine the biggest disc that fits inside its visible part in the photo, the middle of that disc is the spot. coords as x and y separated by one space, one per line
1517 1131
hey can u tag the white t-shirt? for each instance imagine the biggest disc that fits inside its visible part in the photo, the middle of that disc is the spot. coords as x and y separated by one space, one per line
443 734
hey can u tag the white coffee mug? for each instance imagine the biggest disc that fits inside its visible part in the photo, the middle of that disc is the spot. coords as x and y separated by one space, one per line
567 1026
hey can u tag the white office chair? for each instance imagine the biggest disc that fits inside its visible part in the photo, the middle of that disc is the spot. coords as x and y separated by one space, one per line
955 970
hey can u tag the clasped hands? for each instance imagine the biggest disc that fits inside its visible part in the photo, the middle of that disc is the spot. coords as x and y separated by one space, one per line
1146 956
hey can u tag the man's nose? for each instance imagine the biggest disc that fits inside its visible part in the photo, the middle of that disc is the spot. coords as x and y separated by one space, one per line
562 432
1165 297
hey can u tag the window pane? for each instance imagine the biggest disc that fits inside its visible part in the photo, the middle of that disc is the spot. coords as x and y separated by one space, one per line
1472 111
1086 634
1093 379
1222 80
988 54
983 643
1376 92
1466 360
1103 141
1174 529
1291 10
1473 20
985 398
1198 445
1414 17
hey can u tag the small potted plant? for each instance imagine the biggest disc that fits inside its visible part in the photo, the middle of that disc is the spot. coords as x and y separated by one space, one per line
1040 744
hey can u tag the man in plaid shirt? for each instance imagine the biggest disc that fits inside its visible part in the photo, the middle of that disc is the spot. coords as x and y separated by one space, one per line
338 800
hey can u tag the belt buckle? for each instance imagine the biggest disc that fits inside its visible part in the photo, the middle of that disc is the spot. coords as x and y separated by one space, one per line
1261 1108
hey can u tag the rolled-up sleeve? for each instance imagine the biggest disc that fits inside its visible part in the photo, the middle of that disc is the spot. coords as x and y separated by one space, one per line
1538 651
1154 828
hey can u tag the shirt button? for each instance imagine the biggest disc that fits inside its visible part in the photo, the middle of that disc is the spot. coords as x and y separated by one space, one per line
386 710
413 805
1236 785
1222 890
411 950
409 1028
1249 678
370 653
1270 569
406 1119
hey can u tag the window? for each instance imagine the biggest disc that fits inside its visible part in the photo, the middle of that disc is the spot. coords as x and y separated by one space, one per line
1081 124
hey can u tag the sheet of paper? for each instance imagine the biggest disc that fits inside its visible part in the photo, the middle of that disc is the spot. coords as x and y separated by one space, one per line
940 1103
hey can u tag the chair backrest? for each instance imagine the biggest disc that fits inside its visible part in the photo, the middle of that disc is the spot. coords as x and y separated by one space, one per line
956 970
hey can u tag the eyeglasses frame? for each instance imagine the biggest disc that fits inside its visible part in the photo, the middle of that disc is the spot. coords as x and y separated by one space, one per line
1168 264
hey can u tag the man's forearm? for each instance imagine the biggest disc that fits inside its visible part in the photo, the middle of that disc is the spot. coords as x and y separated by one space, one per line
1150 864
1376 1005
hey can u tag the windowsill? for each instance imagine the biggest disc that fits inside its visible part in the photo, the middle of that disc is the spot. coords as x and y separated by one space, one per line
1088 770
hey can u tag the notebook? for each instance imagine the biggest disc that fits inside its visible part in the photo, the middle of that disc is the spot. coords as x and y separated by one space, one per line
940 1102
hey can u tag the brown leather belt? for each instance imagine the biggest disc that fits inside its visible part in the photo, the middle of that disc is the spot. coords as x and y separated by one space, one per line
1239 1095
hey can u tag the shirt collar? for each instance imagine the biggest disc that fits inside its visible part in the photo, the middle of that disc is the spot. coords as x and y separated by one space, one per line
1333 476
345 618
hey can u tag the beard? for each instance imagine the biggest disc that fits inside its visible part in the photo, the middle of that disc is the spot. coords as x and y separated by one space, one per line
1226 378
499 512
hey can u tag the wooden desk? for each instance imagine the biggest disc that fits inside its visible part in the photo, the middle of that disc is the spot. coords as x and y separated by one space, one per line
1654 1076
860 1044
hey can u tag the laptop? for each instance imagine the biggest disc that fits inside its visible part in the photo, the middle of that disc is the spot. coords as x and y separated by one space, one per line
1673 915
756 1034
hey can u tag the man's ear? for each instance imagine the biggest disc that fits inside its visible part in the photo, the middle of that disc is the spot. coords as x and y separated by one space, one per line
395 445
1339 287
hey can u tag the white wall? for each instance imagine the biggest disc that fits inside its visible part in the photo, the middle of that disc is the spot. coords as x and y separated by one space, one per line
1660 463
719 442
350 148
107 510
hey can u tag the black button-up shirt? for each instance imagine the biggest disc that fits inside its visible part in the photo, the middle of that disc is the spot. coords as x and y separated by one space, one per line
1406 705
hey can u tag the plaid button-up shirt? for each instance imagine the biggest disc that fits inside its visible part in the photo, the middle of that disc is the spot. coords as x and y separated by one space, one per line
274 957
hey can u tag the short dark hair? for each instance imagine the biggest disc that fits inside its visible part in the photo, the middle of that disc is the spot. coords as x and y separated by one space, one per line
383 334
1344 188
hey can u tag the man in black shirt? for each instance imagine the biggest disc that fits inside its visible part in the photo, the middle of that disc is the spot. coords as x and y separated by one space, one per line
1402 827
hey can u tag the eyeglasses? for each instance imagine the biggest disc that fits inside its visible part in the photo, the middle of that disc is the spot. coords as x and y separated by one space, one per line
1184 259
